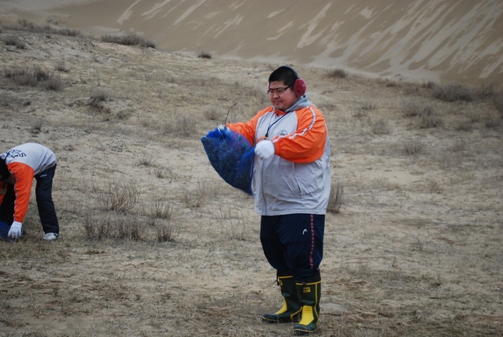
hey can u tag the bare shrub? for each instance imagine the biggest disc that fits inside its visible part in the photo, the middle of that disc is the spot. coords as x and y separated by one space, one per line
212 114
486 91
61 66
464 125
204 55
185 126
129 40
7 100
413 147
25 23
53 83
36 125
21 76
337 73
34 77
166 233
453 92
435 187
112 227
429 119
41 74
65 31
237 229
381 127
336 198
389 83
368 105
415 108
119 197
360 113
162 173
31 27
498 102
52 19
196 197
492 121
458 146
474 116
429 85
98 95
161 210
14 41
145 160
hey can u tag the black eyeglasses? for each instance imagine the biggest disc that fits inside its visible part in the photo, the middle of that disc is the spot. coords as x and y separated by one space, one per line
278 91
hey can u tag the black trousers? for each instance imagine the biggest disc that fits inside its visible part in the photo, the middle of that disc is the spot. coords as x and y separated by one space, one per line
293 244
45 205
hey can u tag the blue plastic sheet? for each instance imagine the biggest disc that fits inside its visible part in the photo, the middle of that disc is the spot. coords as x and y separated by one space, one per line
4 231
231 155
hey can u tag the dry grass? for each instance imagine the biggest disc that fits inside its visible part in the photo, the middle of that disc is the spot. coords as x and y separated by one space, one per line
154 243
204 55
113 227
14 41
337 73
129 40
33 77
120 197
453 92
414 108
336 198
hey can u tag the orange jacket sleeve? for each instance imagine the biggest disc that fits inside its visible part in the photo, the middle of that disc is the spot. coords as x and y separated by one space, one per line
307 144
23 180
247 129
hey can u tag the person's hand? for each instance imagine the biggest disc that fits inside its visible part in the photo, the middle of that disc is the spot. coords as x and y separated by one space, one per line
15 230
223 129
264 149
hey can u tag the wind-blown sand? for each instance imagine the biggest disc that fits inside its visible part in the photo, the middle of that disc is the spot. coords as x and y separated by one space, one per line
417 40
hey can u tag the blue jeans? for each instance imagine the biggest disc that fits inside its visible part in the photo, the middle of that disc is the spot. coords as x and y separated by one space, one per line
293 244
45 205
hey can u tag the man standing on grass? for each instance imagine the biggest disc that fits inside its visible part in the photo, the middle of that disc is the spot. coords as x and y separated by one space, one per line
18 167
291 187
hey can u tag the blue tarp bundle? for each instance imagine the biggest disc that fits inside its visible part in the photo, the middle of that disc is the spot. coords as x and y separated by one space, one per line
4 231
231 155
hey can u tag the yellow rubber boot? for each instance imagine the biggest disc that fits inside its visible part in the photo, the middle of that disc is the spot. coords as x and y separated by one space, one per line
309 295
290 310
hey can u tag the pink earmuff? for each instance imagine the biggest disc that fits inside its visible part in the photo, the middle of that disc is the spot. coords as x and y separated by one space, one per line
299 87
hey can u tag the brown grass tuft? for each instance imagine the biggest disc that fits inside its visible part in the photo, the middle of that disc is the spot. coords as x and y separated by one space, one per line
337 73
129 40
120 197
453 92
336 198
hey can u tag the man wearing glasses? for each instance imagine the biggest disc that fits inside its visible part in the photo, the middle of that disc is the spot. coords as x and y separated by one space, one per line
291 187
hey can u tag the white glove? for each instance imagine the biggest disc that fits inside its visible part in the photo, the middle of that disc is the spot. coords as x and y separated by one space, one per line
15 230
264 149
222 129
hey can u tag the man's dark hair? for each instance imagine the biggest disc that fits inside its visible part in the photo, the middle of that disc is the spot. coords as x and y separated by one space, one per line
4 171
285 74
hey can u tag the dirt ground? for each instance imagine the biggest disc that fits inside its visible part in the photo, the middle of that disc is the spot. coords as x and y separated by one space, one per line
415 249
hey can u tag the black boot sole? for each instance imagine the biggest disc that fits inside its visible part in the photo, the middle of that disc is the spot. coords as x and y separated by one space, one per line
273 319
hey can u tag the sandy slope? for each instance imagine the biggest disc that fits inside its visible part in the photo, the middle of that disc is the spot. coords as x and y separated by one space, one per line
422 40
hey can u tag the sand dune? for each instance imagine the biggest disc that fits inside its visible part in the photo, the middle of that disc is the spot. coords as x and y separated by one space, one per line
422 40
